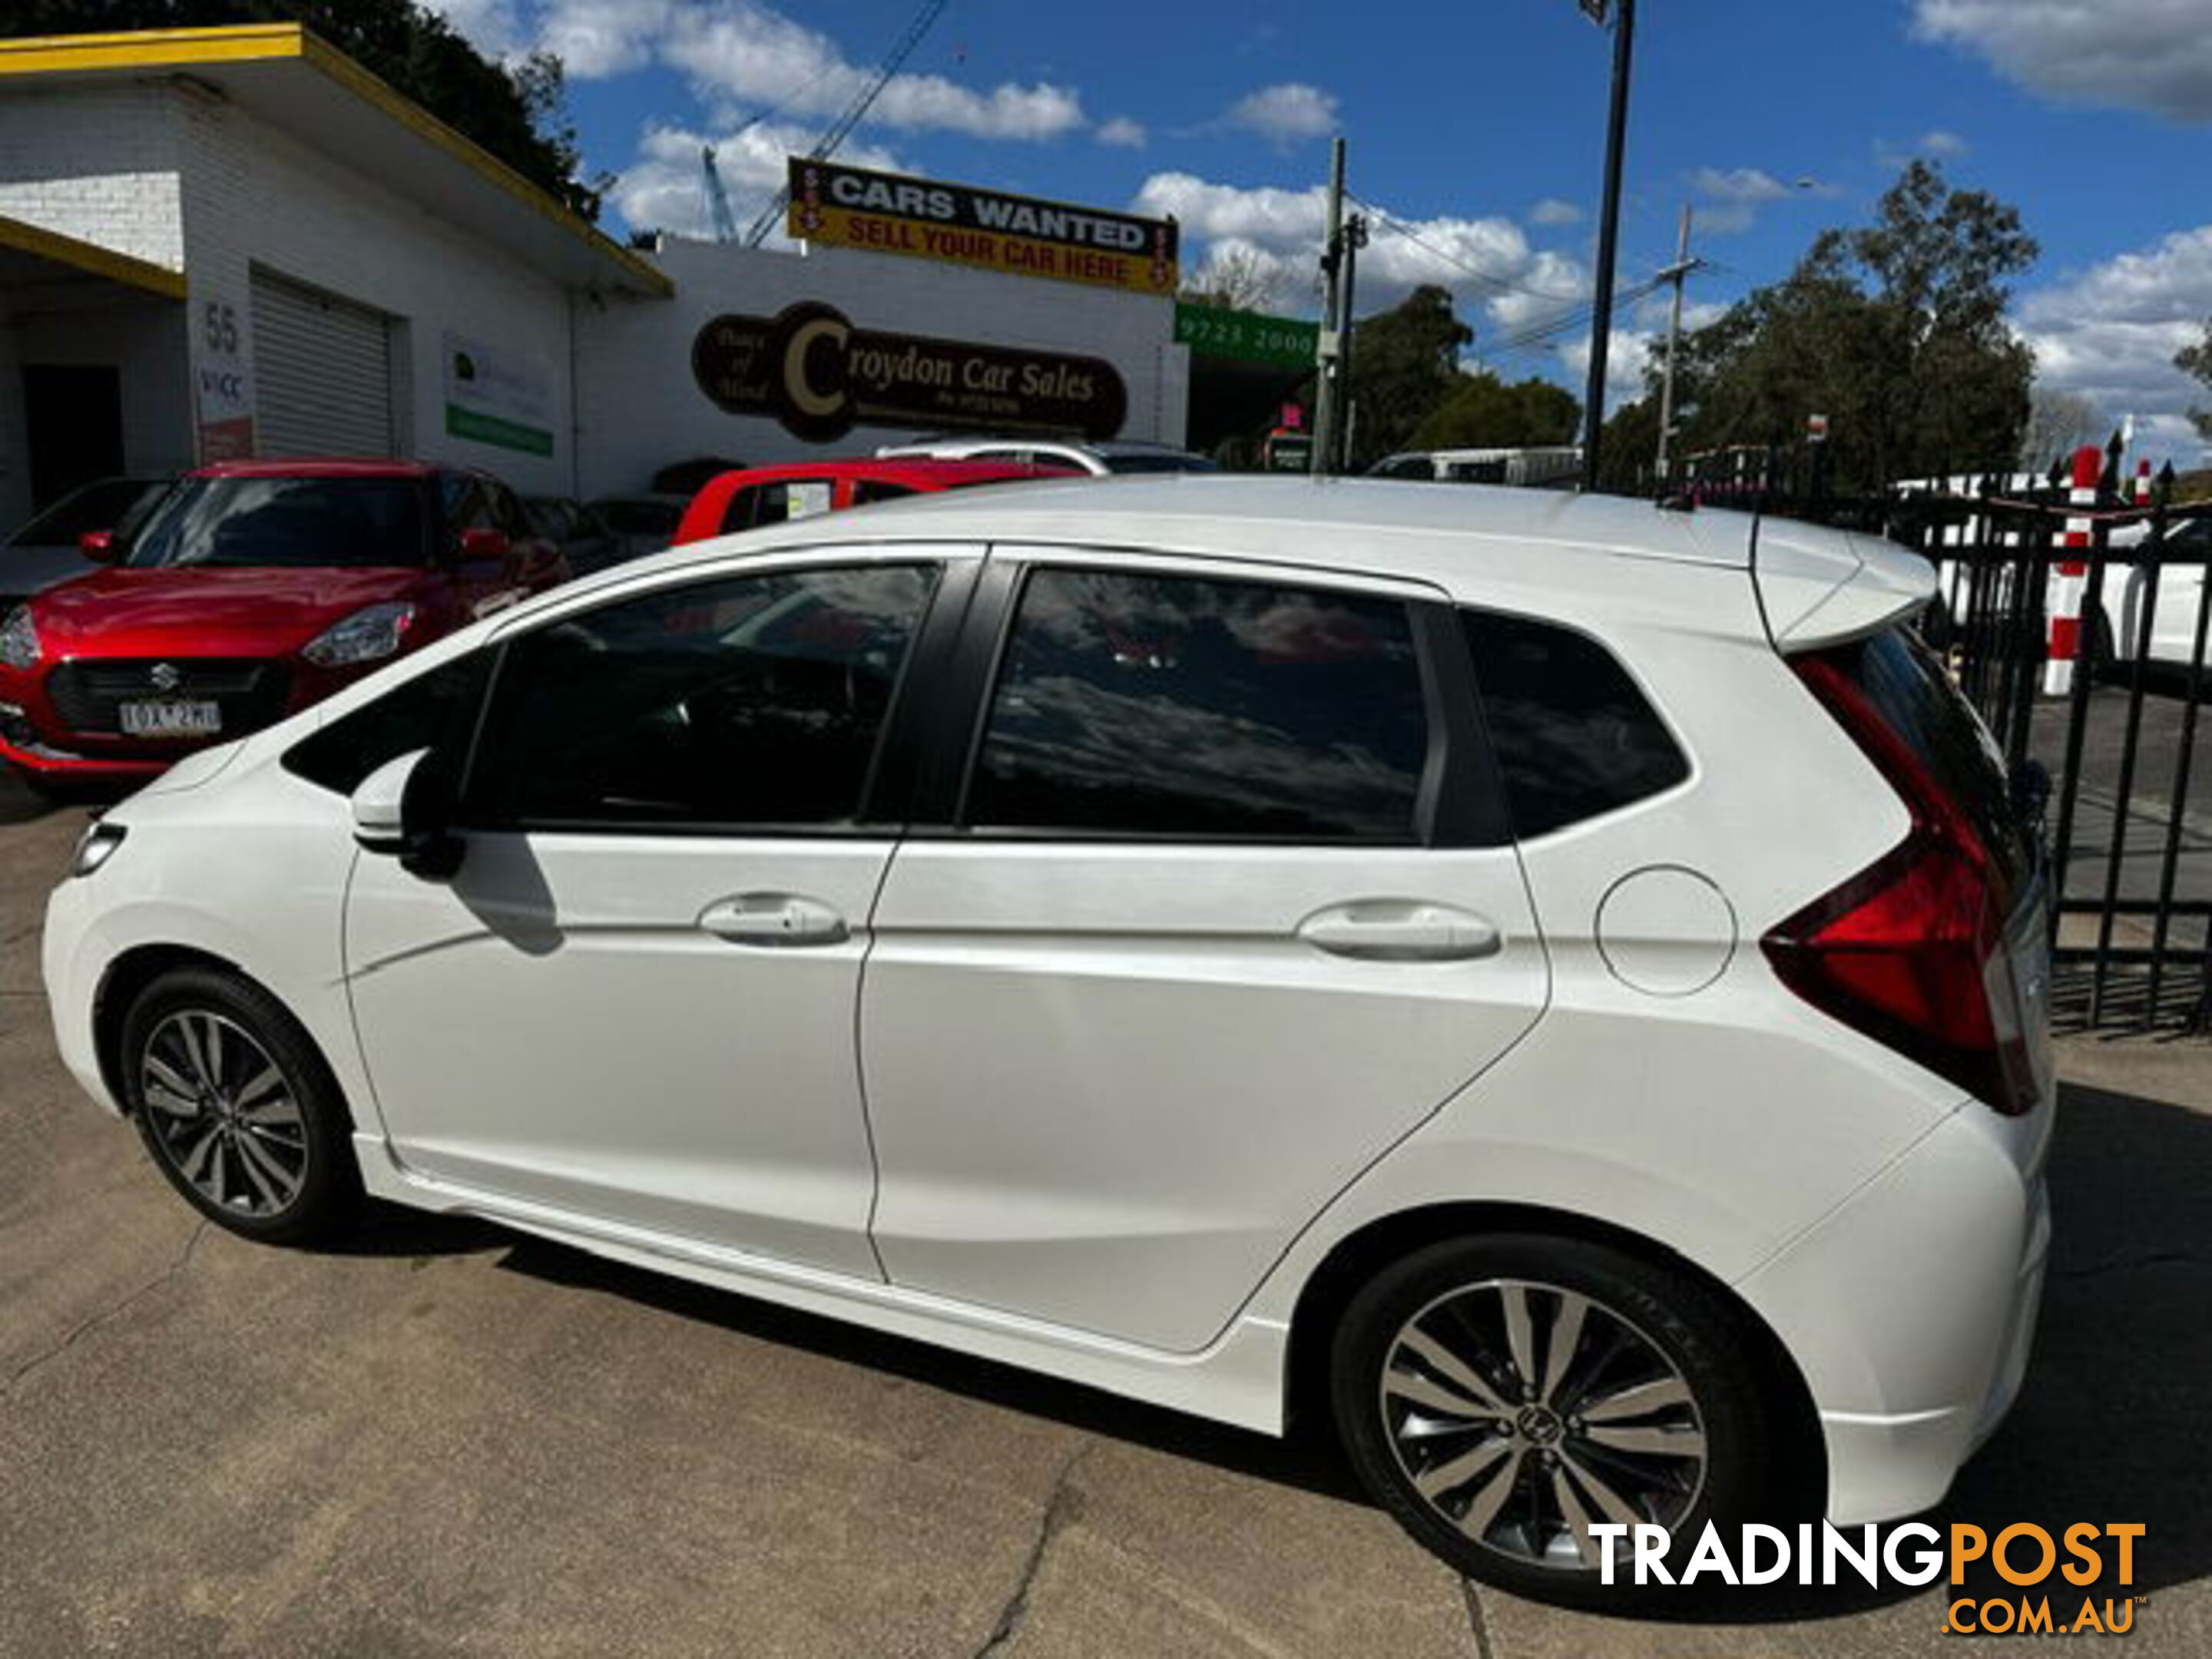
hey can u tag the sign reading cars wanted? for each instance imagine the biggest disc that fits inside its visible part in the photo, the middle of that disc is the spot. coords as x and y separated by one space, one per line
891 212
813 370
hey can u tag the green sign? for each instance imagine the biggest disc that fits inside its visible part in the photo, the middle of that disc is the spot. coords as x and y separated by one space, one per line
1247 336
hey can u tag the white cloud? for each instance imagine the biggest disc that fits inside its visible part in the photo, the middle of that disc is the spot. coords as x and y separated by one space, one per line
2153 55
2110 333
750 52
1122 133
1626 356
595 38
665 188
1285 114
1944 146
744 56
1733 195
1501 284
1553 211
494 28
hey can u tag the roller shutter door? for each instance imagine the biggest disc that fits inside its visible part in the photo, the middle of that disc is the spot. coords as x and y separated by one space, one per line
322 369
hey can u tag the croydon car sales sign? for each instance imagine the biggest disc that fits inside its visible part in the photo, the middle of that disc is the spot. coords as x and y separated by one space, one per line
808 367
891 212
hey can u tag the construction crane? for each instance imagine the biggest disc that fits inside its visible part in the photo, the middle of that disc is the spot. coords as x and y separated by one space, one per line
718 199
826 146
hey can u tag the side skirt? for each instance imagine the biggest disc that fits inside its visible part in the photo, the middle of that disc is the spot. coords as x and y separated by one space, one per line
1238 1380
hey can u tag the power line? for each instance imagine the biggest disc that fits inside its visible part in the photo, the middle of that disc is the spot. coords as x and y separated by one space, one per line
1391 222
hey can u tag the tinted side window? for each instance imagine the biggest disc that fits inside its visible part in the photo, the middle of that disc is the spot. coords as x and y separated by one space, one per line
875 489
751 701
1170 705
1574 737
427 710
777 502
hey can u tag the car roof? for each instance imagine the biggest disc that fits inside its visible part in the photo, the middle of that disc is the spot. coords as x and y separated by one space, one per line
926 472
1424 532
334 467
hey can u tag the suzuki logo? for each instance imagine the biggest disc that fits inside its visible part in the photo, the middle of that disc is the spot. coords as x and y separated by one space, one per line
166 677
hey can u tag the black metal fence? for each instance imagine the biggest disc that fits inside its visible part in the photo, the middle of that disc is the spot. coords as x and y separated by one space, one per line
2129 817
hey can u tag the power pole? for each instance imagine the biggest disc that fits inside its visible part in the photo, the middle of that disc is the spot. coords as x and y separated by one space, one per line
1678 273
1355 237
1327 390
1608 230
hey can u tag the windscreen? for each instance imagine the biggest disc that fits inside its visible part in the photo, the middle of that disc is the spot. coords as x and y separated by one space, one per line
250 522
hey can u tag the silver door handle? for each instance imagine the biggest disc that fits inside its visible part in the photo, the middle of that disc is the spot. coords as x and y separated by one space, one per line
1401 930
774 918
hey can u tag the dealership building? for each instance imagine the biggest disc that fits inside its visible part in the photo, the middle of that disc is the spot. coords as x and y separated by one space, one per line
229 242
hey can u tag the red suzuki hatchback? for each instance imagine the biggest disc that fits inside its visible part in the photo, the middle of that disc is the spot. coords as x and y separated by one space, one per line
253 589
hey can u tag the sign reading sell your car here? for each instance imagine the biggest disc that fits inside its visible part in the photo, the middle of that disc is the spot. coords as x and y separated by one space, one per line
891 212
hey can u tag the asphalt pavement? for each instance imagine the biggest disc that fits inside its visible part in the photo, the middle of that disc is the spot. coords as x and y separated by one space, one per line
448 1439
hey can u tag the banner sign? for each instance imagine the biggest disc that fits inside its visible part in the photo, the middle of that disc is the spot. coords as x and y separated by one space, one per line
891 212
495 397
1247 336
811 369
222 386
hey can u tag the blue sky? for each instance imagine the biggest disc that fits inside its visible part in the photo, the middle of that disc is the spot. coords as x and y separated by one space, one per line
1476 128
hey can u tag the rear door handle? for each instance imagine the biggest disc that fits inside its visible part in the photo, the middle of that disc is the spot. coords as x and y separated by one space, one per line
1401 930
774 920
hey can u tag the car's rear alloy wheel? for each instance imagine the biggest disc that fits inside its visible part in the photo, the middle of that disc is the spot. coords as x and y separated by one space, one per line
1523 1411
1501 1395
236 1106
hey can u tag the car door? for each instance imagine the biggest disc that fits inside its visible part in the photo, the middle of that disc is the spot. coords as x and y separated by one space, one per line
634 999
1219 904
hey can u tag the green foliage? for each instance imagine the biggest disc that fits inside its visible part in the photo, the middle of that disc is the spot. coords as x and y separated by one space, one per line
516 113
1895 332
1404 362
1484 412
1631 451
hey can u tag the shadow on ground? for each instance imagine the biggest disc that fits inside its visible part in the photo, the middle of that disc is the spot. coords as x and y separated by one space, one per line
2109 1428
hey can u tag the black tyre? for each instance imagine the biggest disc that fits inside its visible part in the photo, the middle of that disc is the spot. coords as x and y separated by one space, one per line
237 1108
1499 1394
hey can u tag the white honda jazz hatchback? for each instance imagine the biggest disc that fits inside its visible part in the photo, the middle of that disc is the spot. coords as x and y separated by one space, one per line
1554 984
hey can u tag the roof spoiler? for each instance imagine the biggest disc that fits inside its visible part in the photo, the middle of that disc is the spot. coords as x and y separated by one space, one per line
1819 587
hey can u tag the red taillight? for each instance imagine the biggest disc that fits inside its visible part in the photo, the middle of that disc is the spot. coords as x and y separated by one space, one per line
1912 950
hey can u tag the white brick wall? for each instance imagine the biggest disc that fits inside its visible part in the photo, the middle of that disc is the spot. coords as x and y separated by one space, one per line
99 164
642 409
253 196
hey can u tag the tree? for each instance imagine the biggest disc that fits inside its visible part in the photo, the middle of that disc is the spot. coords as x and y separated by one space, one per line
2058 423
1484 412
2195 361
516 112
1896 332
1236 276
1404 362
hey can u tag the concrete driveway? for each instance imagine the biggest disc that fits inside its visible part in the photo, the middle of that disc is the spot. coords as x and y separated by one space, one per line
447 1439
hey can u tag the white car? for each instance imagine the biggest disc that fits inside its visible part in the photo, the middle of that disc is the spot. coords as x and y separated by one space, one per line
1254 945
1100 458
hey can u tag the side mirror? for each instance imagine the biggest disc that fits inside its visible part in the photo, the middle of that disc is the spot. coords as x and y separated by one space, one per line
484 546
403 810
100 546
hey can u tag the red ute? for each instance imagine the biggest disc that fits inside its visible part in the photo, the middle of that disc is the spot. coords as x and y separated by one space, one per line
253 589
771 494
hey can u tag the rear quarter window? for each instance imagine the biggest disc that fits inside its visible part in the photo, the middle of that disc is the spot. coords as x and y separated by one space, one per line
1573 734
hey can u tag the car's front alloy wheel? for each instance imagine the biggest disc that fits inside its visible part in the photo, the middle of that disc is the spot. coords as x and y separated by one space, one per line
236 1106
